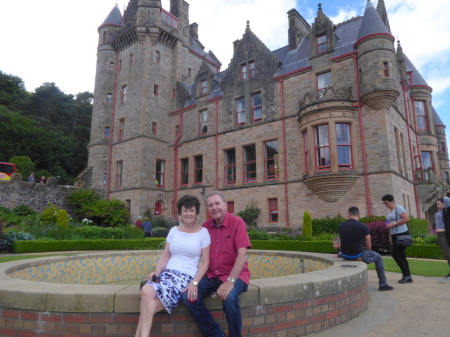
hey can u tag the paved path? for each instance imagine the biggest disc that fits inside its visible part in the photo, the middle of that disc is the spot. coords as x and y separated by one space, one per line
421 308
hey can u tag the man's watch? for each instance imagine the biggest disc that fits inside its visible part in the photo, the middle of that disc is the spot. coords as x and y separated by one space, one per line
230 279
395 224
195 283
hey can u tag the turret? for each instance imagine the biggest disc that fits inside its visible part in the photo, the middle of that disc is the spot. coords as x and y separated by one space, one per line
377 61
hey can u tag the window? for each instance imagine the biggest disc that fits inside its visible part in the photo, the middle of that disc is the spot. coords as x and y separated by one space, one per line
306 151
120 65
111 66
121 128
230 167
322 43
104 37
249 163
271 159
198 169
203 87
409 77
273 210
107 130
184 171
230 207
323 82
322 147
244 72
203 123
447 178
386 68
442 148
177 130
157 56
105 179
256 107
252 68
426 160
108 98
344 146
189 72
158 208
154 128
119 167
131 59
169 18
421 116
156 90
159 177
124 94
240 111
405 163
128 205
398 150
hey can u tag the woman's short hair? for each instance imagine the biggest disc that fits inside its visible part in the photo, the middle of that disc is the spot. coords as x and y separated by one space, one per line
189 201
387 197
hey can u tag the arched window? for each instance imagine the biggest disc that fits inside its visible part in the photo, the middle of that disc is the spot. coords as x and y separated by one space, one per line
158 208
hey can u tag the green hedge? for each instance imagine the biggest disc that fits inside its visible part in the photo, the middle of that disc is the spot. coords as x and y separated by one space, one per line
424 251
69 245
297 246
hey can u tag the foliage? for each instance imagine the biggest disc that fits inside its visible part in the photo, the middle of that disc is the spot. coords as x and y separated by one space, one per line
105 212
255 234
418 227
82 196
49 214
327 225
23 210
366 219
61 219
379 235
159 221
24 165
281 237
298 246
94 232
250 214
320 237
307 225
15 235
427 239
158 232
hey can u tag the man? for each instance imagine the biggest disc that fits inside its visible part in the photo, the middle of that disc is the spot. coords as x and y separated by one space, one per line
228 274
356 245
31 178
147 228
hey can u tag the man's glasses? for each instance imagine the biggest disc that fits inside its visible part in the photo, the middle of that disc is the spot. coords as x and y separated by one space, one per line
386 202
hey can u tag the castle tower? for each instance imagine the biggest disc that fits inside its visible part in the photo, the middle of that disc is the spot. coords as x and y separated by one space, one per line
377 63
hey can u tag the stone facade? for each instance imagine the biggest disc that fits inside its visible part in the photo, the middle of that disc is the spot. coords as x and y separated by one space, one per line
330 121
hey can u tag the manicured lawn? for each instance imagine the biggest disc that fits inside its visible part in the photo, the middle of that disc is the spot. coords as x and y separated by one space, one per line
428 268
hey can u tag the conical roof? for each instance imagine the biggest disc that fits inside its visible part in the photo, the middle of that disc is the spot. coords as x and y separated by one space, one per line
436 118
417 78
372 23
114 18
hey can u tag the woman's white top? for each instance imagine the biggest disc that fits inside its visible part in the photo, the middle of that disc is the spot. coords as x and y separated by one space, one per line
186 250
394 216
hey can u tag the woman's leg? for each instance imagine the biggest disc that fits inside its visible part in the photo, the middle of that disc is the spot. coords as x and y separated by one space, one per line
399 255
150 304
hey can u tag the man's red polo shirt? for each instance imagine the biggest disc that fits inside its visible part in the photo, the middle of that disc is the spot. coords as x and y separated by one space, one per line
225 242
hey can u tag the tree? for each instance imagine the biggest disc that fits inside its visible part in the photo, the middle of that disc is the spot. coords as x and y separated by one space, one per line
24 165
307 225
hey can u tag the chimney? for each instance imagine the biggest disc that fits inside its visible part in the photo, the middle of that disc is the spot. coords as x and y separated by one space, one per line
193 30
298 29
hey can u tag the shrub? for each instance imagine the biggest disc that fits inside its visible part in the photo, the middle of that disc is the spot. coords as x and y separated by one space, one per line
4 210
281 237
94 232
418 227
49 214
82 196
62 218
23 210
161 222
327 225
379 235
255 234
298 246
250 214
158 232
15 235
428 239
320 237
307 225
105 212
366 219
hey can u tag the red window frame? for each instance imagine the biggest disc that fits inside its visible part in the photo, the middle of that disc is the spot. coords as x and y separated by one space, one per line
154 128
156 90
123 97
157 56
251 66
424 161
108 98
119 170
121 128
386 68
244 72
240 111
107 131
271 160
158 208
160 172
230 207
344 142
203 87
273 210
256 106
409 77
322 45
230 166
249 164
306 151
203 122
105 179
198 169
169 18
177 130
111 66
184 171
421 113
131 59
322 147
326 85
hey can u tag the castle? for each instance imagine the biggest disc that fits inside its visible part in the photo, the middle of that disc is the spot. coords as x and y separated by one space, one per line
337 118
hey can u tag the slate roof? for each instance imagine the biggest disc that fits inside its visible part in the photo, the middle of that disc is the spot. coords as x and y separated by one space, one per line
417 79
114 17
371 23
346 36
436 118
197 49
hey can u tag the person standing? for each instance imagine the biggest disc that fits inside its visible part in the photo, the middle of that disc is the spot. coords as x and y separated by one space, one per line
31 178
356 245
147 228
42 181
178 269
228 274
138 222
397 219
440 231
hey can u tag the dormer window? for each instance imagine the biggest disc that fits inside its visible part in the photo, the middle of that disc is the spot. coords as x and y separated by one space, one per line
244 72
409 77
203 87
322 43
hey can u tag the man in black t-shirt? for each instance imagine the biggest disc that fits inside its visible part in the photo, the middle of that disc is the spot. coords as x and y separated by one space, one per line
356 245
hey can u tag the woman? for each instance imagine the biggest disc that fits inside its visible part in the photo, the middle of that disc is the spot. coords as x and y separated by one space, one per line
397 219
440 231
177 269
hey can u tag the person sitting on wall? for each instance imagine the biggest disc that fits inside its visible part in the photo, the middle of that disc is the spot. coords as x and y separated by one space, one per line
147 228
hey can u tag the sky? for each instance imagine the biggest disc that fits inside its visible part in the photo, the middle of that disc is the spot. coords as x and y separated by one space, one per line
56 40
